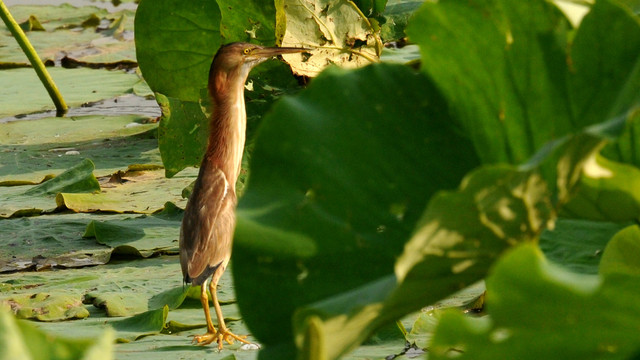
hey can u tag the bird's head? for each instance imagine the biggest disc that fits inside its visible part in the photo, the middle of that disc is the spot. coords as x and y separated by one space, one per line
244 56
232 63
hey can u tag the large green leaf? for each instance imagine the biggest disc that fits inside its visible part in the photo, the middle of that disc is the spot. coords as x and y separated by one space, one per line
358 188
609 191
605 66
621 255
453 246
179 76
371 8
183 133
626 149
523 285
459 237
248 21
578 244
513 69
175 43
300 232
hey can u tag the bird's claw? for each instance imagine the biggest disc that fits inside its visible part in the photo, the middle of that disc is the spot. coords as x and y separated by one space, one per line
204 339
220 337
226 335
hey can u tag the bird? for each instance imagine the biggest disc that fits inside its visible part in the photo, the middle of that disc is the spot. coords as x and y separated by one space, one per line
208 224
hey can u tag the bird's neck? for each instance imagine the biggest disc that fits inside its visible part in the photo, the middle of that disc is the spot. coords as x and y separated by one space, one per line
228 127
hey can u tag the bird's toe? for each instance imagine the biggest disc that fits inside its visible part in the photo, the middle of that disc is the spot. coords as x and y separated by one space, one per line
204 339
224 335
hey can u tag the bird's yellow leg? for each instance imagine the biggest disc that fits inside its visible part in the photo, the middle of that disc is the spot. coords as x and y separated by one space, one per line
223 333
207 338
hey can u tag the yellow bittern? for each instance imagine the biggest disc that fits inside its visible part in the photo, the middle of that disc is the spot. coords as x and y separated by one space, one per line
209 218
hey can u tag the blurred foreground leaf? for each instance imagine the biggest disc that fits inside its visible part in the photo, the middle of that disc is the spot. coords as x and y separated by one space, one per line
578 244
327 206
576 309
303 224
609 191
20 340
522 69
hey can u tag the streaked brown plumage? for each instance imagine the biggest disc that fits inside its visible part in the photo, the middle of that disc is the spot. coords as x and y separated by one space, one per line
209 219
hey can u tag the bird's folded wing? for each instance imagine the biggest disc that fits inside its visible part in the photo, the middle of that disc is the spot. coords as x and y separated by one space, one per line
206 222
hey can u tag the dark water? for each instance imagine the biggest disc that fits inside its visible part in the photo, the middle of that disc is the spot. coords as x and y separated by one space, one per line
121 105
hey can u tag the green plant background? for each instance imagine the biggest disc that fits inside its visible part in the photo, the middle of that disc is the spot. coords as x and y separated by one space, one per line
496 152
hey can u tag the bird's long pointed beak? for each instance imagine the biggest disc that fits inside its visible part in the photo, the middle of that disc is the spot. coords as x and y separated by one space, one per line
273 51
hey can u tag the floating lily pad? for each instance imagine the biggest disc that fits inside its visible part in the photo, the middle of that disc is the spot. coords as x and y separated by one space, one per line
144 324
14 203
47 307
111 142
87 34
74 129
140 192
143 191
118 304
45 241
78 178
23 92
139 236
156 280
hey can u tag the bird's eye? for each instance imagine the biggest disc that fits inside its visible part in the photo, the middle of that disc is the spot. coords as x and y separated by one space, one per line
246 51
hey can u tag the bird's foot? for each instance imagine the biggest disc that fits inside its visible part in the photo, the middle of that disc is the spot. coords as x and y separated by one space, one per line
224 334
205 339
